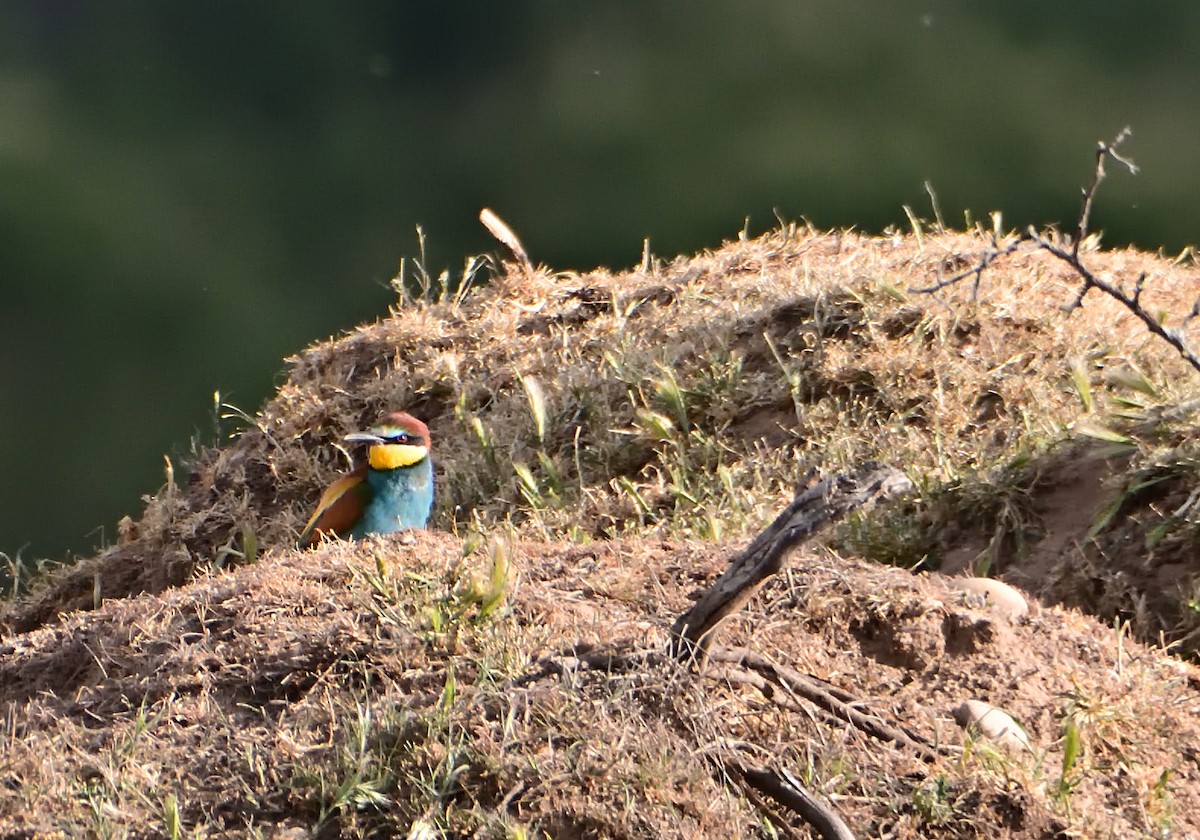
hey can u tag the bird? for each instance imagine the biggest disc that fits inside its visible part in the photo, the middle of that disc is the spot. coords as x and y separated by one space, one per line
392 491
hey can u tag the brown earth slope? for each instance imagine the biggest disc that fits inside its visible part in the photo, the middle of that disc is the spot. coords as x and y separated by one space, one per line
603 441
255 702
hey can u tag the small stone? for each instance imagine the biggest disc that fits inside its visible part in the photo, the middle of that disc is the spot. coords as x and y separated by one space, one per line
994 594
994 724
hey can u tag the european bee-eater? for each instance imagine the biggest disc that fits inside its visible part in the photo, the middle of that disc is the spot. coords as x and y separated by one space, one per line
391 492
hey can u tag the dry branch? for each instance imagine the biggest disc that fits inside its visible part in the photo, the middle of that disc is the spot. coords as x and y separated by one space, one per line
1050 242
791 794
817 504
826 697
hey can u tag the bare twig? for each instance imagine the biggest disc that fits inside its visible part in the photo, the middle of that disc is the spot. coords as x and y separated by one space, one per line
817 504
1173 337
1103 150
788 792
824 696
1069 254
985 261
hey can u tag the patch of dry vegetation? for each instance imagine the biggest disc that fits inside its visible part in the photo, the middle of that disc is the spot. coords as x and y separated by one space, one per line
363 690
598 420
684 401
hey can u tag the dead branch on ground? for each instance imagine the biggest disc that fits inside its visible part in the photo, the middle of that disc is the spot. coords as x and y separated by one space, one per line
829 698
788 792
817 504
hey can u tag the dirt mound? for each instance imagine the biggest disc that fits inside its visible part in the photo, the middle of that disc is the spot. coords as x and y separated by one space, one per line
359 689
604 439
682 399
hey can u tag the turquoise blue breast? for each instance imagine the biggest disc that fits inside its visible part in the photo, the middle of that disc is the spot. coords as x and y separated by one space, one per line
400 499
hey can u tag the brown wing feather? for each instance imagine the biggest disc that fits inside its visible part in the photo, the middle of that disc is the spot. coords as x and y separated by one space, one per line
339 508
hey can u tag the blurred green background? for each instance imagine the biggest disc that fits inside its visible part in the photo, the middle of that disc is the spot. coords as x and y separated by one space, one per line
191 191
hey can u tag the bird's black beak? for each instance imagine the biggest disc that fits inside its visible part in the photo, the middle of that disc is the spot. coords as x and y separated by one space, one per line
363 437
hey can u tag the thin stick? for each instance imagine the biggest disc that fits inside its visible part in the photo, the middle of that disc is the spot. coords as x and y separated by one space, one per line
1174 336
825 698
789 793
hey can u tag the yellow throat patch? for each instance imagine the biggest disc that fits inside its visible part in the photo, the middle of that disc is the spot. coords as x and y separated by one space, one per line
390 456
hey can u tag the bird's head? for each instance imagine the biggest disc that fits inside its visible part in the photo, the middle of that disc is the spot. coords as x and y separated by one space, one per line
398 440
